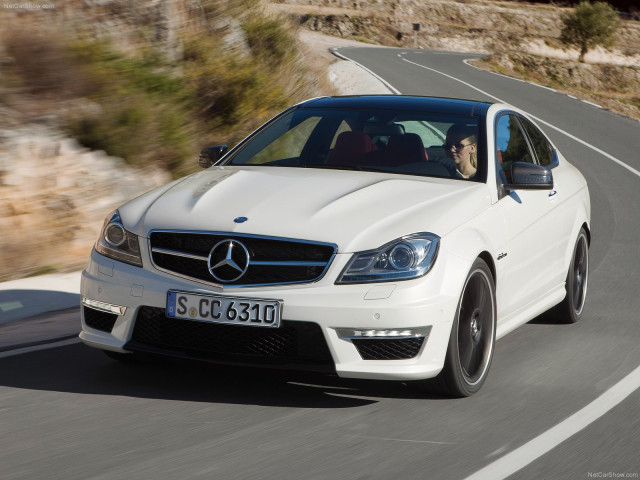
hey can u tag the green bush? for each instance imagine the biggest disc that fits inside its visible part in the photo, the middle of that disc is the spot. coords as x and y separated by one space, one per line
149 109
145 111
270 40
232 91
590 25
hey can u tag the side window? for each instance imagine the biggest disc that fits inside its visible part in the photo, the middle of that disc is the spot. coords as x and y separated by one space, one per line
511 145
542 147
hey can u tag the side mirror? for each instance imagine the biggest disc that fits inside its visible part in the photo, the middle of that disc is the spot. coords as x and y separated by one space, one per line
529 176
210 155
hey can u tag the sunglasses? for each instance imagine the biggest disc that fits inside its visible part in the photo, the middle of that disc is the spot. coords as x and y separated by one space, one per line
457 146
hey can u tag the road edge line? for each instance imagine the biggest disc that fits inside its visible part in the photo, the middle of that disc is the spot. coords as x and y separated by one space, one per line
547 441
377 77
45 345
557 129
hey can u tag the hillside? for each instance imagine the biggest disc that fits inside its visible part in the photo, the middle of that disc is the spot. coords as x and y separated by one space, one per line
101 100
521 40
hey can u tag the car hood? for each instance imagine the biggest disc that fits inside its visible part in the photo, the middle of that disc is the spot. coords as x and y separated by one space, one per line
354 210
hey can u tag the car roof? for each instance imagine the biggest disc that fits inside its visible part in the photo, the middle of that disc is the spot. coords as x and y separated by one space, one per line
452 106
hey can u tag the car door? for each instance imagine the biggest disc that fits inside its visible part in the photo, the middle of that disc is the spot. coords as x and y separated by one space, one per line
562 212
529 264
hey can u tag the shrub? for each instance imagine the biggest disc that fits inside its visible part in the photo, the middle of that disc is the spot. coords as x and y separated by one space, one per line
270 40
149 109
232 91
145 110
45 66
590 25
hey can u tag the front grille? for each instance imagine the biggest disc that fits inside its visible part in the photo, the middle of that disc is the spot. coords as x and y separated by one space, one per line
388 349
292 345
98 319
272 261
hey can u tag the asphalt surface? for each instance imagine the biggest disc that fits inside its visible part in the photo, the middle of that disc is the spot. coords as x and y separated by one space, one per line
71 412
39 310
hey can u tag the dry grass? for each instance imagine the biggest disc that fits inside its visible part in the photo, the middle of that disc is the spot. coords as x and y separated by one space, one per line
151 108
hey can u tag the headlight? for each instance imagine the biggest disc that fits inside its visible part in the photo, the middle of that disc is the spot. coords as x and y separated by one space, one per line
403 259
117 243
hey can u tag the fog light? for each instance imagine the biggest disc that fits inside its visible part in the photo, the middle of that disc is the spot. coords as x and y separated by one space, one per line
373 333
103 307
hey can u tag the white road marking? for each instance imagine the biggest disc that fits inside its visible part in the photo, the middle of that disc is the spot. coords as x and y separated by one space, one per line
8 306
527 453
539 120
403 440
386 84
592 104
35 348
543 443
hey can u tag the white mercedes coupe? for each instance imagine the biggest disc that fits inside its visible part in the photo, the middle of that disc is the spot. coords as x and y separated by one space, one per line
378 237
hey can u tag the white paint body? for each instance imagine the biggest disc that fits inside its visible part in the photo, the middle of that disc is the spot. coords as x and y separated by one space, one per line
359 211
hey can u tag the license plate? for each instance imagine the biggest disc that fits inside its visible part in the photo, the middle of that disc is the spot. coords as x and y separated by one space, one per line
230 310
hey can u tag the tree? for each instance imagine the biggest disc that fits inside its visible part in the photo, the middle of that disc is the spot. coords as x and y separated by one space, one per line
590 25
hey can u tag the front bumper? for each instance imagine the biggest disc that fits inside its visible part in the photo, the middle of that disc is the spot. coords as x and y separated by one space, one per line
350 318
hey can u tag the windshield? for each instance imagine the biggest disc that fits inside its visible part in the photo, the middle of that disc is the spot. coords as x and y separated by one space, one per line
405 142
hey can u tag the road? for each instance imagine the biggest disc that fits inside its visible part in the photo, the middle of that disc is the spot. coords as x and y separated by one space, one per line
552 407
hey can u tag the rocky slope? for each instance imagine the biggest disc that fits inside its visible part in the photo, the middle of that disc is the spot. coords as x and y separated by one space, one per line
521 39
54 194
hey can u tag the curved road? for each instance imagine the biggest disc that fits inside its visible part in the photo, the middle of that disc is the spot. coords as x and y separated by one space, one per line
561 401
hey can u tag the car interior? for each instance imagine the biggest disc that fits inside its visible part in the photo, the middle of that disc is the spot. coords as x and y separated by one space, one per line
394 142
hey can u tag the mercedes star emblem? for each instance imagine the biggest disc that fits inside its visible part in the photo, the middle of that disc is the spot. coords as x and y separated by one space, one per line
228 260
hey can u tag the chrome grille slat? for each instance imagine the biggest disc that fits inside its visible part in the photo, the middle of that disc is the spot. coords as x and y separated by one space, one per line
292 263
179 254
272 260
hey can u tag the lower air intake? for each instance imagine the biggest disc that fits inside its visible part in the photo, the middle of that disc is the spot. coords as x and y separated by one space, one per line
98 319
388 349
295 345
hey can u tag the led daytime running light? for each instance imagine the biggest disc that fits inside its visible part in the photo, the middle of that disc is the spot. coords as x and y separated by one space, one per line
103 307
383 333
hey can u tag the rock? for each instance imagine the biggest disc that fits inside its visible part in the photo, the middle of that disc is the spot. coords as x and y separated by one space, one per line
55 195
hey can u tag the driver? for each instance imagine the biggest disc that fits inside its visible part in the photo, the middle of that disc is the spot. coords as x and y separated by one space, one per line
460 146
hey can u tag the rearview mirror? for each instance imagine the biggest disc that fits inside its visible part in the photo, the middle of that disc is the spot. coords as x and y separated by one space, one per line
210 155
529 176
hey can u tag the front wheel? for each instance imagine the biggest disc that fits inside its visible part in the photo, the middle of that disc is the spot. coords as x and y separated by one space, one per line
472 338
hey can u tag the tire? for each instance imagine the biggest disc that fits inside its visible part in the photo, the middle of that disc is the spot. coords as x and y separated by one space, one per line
571 308
472 339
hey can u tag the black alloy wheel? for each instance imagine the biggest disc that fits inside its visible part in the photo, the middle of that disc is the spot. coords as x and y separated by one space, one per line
472 338
571 308
476 327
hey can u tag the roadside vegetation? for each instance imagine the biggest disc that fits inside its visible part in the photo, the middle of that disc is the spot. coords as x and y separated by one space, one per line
154 82
585 27
587 50
590 25
148 105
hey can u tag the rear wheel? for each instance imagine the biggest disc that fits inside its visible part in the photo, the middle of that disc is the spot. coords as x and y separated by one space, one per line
571 308
472 338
